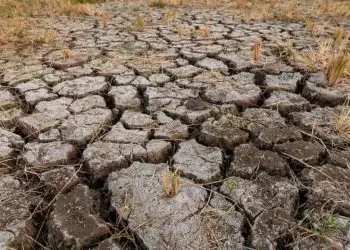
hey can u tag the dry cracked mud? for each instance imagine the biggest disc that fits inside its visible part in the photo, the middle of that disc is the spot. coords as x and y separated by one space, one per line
86 138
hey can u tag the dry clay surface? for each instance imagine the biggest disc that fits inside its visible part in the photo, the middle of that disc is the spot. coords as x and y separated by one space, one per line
89 128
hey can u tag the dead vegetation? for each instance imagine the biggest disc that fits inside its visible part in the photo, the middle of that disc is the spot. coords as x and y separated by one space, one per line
21 21
327 56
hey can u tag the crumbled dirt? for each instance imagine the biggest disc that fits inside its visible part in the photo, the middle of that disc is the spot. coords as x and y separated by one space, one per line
96 128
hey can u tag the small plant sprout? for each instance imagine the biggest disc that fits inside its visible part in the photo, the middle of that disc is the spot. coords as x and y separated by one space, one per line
140 23
337 67
206 31
67 53
171 183
256 51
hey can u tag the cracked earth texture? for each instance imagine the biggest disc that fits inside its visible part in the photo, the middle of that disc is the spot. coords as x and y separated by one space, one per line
86 138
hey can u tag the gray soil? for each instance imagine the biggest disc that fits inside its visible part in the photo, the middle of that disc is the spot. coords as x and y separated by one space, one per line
85 141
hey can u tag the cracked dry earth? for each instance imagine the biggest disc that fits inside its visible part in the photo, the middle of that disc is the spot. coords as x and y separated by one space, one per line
86 138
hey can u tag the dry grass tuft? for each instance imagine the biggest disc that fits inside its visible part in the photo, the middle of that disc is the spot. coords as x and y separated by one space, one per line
327 56
205 31
339 34
104 20
310 25
22 20
337 67
47 36
256 51
67 53
140 23
170 16
171 183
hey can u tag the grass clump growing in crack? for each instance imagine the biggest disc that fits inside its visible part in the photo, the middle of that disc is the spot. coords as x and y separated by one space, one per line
337 67
256 51
171 183
326 56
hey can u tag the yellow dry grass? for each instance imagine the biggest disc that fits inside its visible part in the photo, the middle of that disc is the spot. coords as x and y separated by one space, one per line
329 57
21 21
171 183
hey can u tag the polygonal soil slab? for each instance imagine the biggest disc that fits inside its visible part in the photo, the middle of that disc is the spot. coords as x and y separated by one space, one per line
138 197
258 119
213 65
135 120
102 158
317 117
239 90
9 118
125 97
141 82
10 143
302 152
81 87
270 136
317 90
284 81
340 158
210 50
17 205
328 186
63 59
84 127
107 66
249 161
174 130
22 73
170 90
286 102
119 134
60 180
198 162
44 155
159 78
7 100
74 222
270 200
55 109
225 132
34 96
194 111
187 71
34 124
321 122
86 103
108 244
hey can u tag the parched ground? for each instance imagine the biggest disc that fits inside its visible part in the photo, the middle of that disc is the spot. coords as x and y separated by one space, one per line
91 127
